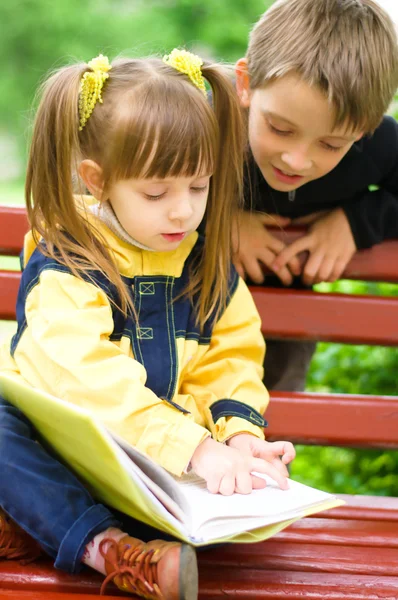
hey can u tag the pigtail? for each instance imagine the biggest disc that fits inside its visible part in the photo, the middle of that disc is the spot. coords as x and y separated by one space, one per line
52 166
226 193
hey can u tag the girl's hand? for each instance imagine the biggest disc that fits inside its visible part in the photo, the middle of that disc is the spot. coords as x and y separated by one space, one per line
228 470
330 244
277 454
254 246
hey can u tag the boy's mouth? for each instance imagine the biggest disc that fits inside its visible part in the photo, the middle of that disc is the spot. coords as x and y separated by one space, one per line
285 177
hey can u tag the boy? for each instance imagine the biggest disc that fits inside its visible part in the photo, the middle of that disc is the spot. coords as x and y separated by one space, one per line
317 79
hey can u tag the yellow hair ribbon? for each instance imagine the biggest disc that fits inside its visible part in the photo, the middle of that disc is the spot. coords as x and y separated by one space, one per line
189 64
91 86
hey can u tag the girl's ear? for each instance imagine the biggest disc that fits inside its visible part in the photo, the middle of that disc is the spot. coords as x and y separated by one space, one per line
243 82
91 174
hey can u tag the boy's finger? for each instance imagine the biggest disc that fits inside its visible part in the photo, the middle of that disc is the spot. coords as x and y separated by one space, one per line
312 267
284 274
294 265
325 270
291 251
254 270
338 270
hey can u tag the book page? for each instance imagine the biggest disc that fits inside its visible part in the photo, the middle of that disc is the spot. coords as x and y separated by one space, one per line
214 516
156 479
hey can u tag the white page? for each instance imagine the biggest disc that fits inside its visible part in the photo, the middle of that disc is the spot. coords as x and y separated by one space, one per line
156 479
261 507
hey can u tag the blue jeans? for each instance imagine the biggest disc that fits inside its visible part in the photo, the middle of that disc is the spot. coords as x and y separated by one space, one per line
47 500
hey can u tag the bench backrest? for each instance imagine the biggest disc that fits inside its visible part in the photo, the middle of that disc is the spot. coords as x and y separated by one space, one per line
329 419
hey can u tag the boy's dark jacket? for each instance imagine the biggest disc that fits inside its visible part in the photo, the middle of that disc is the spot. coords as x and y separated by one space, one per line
373 215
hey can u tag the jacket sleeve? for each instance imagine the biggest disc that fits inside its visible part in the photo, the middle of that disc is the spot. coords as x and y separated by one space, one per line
373 216
226 383
66 350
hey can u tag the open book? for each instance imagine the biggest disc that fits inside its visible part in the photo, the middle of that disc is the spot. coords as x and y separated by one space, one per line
121 477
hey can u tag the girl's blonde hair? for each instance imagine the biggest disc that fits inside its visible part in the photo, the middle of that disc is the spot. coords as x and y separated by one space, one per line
153 122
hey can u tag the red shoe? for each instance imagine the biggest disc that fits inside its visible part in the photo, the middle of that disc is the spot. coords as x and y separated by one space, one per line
15 543
156 571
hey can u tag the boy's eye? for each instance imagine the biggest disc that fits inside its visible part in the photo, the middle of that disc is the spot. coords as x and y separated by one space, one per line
330 147
278 131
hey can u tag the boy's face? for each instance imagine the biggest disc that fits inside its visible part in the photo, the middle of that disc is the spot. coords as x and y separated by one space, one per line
291 131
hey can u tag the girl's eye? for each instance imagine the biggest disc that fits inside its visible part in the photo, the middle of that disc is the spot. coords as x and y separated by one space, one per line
157 197
331 148
279 131
200 189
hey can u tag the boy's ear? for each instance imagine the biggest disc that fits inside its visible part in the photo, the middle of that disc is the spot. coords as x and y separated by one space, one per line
243 82
91 173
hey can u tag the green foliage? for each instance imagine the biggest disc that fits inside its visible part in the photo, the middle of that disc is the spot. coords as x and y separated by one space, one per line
38 35
347 471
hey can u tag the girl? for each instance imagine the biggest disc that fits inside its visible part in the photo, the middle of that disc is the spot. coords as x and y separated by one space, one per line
125 310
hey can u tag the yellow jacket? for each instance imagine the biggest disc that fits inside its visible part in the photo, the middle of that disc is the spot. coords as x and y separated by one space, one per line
160 385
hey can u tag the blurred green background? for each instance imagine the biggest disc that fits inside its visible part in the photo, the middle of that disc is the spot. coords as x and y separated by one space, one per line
40 35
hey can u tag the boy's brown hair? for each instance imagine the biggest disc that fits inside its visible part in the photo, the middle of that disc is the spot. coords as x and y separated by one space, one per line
346 48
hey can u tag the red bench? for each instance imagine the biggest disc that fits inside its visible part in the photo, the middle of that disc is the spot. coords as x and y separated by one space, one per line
348 553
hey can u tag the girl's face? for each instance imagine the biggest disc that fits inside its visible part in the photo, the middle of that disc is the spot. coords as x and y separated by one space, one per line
160 213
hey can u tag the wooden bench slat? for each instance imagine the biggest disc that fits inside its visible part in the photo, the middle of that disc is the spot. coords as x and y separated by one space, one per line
274 554
351 319
333 419
364 508
39 595
217 582
13 226
319 530
9 282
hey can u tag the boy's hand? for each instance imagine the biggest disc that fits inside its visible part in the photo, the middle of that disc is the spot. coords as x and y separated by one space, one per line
255 246
331 246
228 470
278 454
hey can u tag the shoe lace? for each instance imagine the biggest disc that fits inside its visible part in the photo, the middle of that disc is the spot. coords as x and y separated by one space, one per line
16 543
135 567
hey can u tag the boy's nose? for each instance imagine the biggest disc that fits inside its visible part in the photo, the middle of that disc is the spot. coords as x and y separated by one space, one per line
299 161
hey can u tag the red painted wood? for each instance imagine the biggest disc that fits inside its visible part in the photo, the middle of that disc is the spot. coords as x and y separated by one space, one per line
13 226
375 264
39 595
41 575
302 314
35 595
247 584
275 554
332 419
366 534
9 282
365 508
